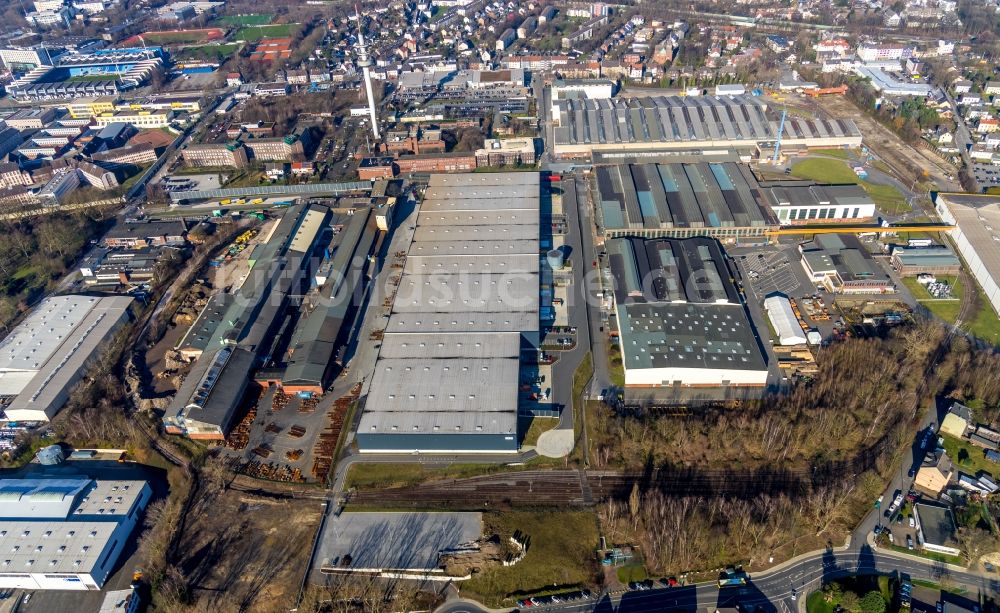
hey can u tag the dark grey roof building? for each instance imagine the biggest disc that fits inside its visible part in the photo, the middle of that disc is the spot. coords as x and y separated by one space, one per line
681 320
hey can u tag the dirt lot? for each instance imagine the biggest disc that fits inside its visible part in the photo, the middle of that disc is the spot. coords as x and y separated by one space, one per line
243 552
908 162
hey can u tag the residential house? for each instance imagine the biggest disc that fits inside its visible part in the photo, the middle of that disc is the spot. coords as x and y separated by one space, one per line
956 422
934 474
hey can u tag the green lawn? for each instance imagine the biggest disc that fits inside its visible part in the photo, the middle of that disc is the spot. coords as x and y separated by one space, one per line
816 603
632 572
824 171
985 324
252 19
560 555
24 272
534 426
207 52
887 198
920 292
255 33
967 457
930 555
616 368
833 153
86 78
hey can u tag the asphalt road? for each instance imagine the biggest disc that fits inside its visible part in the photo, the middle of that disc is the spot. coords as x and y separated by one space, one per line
770 591
963 140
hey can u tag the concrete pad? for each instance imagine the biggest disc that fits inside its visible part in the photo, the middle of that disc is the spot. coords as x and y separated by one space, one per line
555 443
394 541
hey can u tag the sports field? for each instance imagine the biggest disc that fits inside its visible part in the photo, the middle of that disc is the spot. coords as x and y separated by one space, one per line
255 33
176 37
251 19
207 52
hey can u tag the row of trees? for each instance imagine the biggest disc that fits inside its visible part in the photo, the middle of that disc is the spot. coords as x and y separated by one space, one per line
868 390
36 252
847 407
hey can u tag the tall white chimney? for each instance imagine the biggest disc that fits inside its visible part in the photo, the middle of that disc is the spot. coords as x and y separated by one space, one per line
365 64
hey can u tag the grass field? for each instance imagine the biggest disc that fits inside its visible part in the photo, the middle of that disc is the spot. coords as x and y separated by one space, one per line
631 572
255 33
920 292
833 153
887 198
985 324
91 77
816 603
207 52
252 19
560 555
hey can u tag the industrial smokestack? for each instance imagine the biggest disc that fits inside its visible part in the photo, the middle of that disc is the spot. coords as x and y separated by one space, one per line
365 64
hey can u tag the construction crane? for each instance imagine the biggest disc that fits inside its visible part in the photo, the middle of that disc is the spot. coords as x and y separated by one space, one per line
777 143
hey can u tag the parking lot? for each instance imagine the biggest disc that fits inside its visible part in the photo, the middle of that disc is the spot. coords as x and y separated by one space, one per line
773 270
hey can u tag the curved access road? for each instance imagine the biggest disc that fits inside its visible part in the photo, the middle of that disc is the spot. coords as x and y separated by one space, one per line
778 589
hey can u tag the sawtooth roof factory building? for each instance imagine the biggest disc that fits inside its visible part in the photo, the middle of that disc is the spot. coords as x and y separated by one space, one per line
681 200
65 534
681 320
47 353
723 200
447 375
658 123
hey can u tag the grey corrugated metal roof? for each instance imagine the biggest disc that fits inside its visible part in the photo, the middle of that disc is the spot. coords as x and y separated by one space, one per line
443 393
436 346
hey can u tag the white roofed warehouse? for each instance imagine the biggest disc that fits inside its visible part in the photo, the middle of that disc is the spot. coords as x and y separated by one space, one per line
448 372
783 320
65 534
48 352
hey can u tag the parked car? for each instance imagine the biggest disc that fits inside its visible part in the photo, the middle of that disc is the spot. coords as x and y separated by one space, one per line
909 542
913 522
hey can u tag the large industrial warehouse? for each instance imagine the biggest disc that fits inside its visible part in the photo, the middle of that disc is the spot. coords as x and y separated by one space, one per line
447 375
66 534
681 200
723 200
681 320
976 236
48 352
657 123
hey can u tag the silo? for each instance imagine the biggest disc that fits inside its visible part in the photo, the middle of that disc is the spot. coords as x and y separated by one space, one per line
53 454
555 259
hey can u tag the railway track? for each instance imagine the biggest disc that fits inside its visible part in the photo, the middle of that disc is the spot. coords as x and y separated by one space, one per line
565 487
